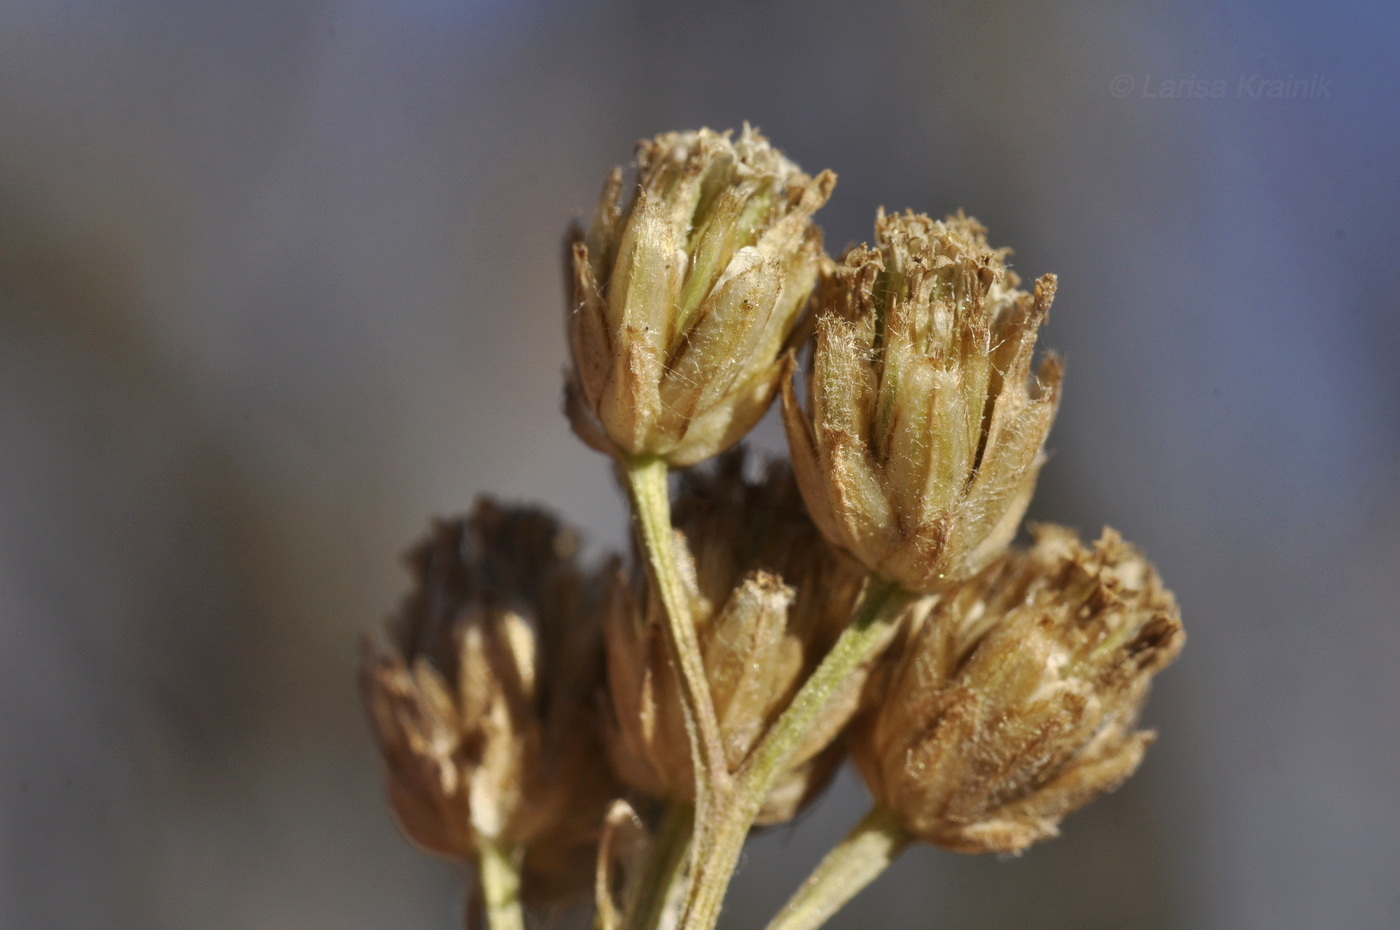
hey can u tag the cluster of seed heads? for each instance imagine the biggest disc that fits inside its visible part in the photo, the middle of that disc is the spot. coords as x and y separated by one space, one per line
527 702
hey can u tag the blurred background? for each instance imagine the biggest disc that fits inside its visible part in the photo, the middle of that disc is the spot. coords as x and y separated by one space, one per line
280 280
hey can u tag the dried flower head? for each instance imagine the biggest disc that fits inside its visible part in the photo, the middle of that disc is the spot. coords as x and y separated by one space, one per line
684 297
924 439
482 699
769 597
1016 701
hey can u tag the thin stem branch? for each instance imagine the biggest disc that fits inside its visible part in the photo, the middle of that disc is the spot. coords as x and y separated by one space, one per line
665 868
716 859
881 606
499 874
857 861
646 481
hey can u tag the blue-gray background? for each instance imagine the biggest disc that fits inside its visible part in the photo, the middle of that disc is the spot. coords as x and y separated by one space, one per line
279 279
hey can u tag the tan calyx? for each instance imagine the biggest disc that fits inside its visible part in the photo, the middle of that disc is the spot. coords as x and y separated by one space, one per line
922 438
686 293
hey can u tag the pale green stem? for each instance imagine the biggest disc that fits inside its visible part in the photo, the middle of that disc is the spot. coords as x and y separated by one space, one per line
857 861
646 481
665 868
499 874
716 860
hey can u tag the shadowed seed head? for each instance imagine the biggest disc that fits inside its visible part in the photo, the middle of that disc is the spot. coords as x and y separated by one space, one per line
483 697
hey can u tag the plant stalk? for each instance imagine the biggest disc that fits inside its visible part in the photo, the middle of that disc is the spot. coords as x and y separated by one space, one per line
716 860
646 481
665 868
499 874
857 861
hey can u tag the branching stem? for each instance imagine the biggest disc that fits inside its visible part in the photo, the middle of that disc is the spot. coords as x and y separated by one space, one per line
716 859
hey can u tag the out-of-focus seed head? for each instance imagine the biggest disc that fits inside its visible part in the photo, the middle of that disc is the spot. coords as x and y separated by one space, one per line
923 440
769 596
686 293
1017 700
482 698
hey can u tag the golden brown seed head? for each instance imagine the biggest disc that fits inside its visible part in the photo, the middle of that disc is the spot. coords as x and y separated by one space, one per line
768 597
685 295
482 698
1016 701
923 440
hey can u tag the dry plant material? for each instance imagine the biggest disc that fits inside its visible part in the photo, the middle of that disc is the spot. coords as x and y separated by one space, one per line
624 729
483 699
1017 701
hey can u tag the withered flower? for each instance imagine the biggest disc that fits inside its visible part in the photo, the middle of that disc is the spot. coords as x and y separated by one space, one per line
685 296
923 443
1016 702
769 597
482 698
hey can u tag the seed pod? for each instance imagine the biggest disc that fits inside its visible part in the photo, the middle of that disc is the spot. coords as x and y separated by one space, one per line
482 698
923 443
769 597
1016 702
685 296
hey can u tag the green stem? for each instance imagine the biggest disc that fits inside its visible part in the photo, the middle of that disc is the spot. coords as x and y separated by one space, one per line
499 874
882 605
665 868
716 859
646 481
857 861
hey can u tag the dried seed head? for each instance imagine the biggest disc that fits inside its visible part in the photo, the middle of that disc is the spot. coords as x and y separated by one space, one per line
1016 702
482 699
685 297
924 438
769 597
